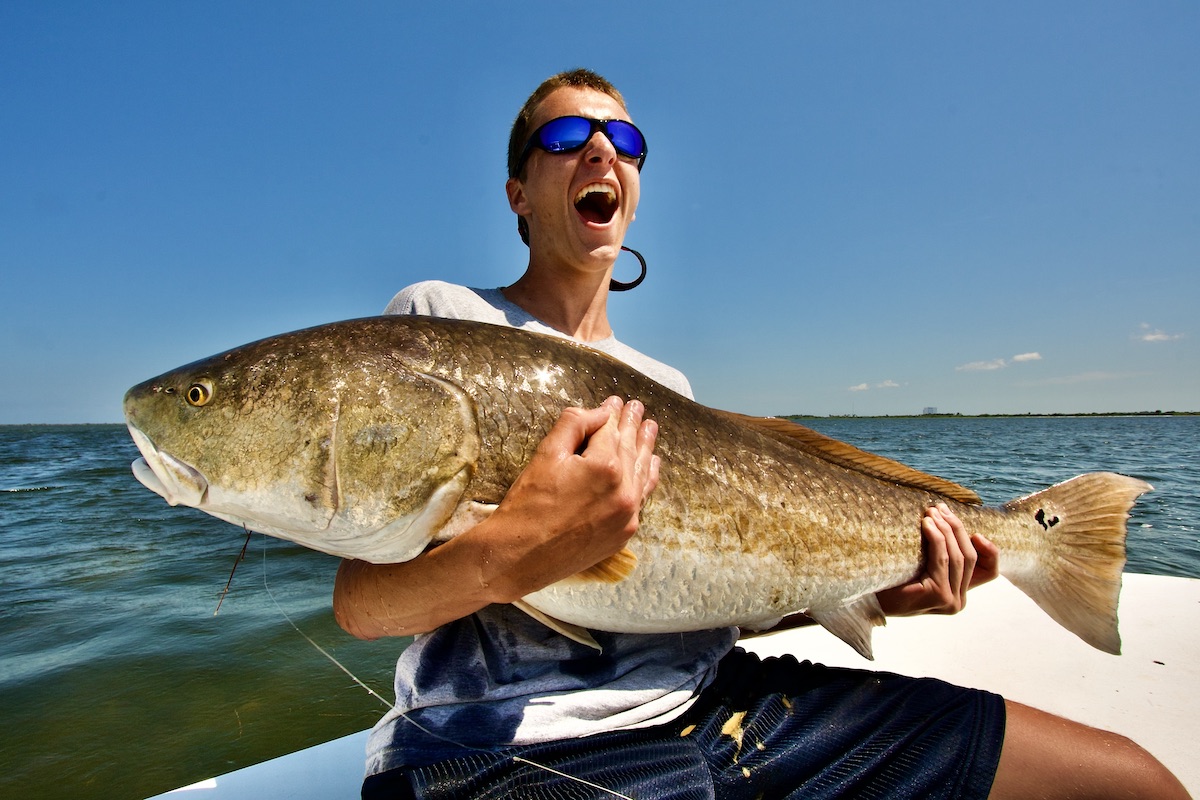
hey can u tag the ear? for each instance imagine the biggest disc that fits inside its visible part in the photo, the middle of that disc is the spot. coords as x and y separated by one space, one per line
516 197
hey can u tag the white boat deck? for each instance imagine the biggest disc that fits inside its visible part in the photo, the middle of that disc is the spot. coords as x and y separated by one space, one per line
1002 643
1006 644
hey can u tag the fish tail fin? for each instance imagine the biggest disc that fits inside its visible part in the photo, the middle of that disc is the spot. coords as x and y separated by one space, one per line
1076 576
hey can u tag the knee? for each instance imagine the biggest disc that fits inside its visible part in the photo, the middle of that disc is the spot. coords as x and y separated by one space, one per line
1048 756
1142 774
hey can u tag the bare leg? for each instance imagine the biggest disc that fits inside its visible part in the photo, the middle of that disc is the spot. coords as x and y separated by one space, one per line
1047 757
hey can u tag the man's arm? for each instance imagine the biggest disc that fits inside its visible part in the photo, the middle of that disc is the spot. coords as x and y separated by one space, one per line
576 503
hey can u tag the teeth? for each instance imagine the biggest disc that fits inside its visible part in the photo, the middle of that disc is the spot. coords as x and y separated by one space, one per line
596 188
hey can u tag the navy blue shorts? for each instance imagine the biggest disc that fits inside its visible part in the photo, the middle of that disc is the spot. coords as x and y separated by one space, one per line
777 728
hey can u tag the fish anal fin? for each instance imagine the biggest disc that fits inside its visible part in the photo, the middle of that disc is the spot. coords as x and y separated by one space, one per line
614 569
852 623
850 457
574 632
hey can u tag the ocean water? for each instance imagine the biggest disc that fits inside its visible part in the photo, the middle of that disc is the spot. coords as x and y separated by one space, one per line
117 680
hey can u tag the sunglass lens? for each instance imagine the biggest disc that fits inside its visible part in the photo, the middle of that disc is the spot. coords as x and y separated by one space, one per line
565 133
626 138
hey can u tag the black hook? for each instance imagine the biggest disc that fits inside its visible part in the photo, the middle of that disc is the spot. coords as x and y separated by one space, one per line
615 285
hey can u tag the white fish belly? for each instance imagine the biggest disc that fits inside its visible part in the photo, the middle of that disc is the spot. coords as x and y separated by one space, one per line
676 589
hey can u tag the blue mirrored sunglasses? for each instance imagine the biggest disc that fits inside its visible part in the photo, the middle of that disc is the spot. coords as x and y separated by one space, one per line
568 134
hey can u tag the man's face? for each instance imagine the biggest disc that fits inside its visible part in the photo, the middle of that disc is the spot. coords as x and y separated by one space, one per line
578 204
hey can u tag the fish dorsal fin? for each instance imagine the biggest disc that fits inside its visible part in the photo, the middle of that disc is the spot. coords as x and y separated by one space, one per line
850 457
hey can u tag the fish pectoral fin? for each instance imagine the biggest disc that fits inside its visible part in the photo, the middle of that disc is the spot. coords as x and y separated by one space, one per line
846 455
574 632
852 623
759 627
467 514
614 569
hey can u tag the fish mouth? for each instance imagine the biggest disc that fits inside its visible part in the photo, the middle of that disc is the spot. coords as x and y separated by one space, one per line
179 483
597 202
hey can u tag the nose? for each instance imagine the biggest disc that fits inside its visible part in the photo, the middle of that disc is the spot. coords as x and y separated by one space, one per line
599 150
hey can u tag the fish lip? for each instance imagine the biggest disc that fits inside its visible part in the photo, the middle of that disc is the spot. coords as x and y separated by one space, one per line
175 481
147 477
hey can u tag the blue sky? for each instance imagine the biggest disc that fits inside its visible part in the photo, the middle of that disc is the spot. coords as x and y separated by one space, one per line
860 208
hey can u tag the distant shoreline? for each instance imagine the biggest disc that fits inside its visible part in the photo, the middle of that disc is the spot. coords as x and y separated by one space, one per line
1026 415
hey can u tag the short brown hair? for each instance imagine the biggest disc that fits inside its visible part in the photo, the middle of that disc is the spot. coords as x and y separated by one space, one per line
579 78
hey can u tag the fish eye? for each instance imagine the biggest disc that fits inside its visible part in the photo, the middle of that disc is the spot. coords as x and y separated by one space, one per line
199 393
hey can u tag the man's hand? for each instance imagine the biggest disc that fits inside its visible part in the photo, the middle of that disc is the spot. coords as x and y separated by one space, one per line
580 498
954 563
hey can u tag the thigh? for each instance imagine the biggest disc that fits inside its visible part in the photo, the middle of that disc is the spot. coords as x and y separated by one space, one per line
1062 760
782 728
647 764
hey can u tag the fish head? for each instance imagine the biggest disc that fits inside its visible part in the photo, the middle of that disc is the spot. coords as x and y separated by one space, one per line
321 437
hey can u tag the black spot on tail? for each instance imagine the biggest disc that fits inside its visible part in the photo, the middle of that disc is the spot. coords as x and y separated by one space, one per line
1046 523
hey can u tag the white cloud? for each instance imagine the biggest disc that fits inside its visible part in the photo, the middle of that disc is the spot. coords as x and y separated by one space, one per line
864 387
978 366
998 363
1148 334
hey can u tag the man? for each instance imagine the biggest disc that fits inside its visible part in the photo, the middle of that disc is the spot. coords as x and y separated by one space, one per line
492 703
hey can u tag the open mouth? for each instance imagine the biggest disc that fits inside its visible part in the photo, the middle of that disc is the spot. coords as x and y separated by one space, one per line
175 481
596 202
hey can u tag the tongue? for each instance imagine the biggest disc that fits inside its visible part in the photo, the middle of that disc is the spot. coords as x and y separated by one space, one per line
592 215
593 208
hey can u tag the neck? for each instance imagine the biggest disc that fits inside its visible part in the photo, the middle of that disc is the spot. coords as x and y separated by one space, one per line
575 304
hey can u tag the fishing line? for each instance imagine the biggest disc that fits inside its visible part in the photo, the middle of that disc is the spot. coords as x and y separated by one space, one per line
236 561
604 789
309 639
404 715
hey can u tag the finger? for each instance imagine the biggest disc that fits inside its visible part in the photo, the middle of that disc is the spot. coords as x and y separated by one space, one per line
629 427
648 464
655 468
637 437
946 562
647 435
574 427
608 437
970 555
987 568
937 554
954 556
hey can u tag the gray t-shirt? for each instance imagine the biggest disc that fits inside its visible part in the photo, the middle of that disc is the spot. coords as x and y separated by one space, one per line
439 299
499 677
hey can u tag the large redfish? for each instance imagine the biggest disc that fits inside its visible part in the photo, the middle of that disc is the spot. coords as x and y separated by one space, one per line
374 438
